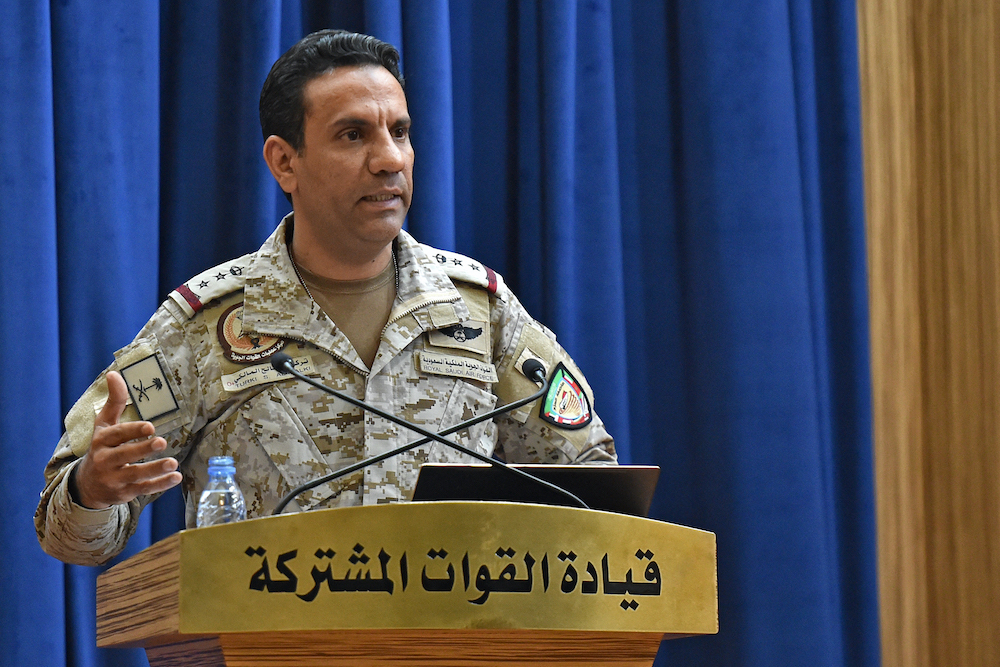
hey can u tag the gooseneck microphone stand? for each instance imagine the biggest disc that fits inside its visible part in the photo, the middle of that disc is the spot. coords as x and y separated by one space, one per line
533 370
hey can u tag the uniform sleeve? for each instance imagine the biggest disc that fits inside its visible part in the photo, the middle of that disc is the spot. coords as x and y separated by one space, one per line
562 427
157 357
71 532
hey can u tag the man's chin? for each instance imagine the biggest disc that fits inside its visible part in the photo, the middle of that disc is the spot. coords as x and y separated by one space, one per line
379 234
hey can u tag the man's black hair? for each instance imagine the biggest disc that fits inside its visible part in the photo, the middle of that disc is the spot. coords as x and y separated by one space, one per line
282 106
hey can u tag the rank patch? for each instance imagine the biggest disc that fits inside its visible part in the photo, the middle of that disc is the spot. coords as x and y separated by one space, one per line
566 404
244 347
151 393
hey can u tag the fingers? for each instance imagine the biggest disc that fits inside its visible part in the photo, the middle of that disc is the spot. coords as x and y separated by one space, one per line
107 431
99 484
147 478
117 398
159 484
116 469
117 434
111 453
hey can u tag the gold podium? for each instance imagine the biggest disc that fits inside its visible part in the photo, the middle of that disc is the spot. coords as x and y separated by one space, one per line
436 583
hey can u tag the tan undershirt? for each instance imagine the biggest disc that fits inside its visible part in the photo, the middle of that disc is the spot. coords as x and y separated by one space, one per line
359 308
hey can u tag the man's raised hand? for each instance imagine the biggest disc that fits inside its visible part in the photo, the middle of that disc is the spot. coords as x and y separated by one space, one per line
113 470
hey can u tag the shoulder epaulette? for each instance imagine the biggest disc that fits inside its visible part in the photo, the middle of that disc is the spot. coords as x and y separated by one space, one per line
466 269
216 282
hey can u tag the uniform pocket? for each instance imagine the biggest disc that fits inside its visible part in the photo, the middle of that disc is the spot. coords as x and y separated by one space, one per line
273 451
465 402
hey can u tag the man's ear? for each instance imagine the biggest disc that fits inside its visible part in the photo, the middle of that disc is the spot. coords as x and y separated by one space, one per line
279 156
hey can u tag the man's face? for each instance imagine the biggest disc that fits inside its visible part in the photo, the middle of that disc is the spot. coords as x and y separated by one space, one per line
354 174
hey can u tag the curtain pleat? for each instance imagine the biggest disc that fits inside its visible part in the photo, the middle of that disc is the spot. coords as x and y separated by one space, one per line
30 412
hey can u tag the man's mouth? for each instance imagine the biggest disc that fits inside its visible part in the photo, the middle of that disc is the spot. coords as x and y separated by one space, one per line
382 197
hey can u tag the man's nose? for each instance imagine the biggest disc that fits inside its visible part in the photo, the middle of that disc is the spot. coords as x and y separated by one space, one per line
386 154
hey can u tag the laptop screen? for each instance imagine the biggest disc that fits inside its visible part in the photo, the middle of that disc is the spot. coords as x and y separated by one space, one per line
625 489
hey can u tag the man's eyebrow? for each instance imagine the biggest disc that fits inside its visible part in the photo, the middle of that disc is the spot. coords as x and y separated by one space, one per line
351 121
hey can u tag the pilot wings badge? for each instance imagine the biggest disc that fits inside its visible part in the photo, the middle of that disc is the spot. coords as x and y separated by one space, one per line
468 335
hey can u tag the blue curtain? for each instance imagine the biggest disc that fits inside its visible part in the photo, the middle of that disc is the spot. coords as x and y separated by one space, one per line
674 186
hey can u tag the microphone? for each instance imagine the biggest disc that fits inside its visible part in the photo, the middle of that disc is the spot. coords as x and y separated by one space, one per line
533 370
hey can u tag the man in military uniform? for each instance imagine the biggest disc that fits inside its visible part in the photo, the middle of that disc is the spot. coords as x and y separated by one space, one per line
356 302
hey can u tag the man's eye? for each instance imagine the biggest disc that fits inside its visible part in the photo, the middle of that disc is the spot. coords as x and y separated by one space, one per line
402 132
352 135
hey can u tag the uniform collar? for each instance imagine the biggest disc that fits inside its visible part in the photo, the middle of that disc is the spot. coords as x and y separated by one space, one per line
276 303
422 283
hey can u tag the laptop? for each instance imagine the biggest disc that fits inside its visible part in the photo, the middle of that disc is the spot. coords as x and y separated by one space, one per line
625 489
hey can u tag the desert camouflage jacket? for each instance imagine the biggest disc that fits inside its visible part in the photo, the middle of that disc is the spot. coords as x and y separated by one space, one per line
200 372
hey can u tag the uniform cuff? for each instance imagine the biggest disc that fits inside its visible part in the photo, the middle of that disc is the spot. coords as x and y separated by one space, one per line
77 513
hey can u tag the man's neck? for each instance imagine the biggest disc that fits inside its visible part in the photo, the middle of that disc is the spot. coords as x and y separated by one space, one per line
358 265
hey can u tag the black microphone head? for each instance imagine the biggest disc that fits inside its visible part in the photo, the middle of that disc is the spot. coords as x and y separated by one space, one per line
533 370
281 362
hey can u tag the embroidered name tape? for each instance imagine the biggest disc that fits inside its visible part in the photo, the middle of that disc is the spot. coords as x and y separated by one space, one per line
566 404
149 388
251 376
435 363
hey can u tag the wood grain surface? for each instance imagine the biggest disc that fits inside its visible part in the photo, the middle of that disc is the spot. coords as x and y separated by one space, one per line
454 648
141 601
930 93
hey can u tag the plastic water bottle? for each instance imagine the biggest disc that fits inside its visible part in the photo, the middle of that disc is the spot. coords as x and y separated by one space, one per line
221 501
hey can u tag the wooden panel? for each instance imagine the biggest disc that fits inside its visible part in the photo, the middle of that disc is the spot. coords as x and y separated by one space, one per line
203 652
483 648
932 175
368 648
142 600
887 90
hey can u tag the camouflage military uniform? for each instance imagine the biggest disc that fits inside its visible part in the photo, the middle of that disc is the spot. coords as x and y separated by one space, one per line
199 371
